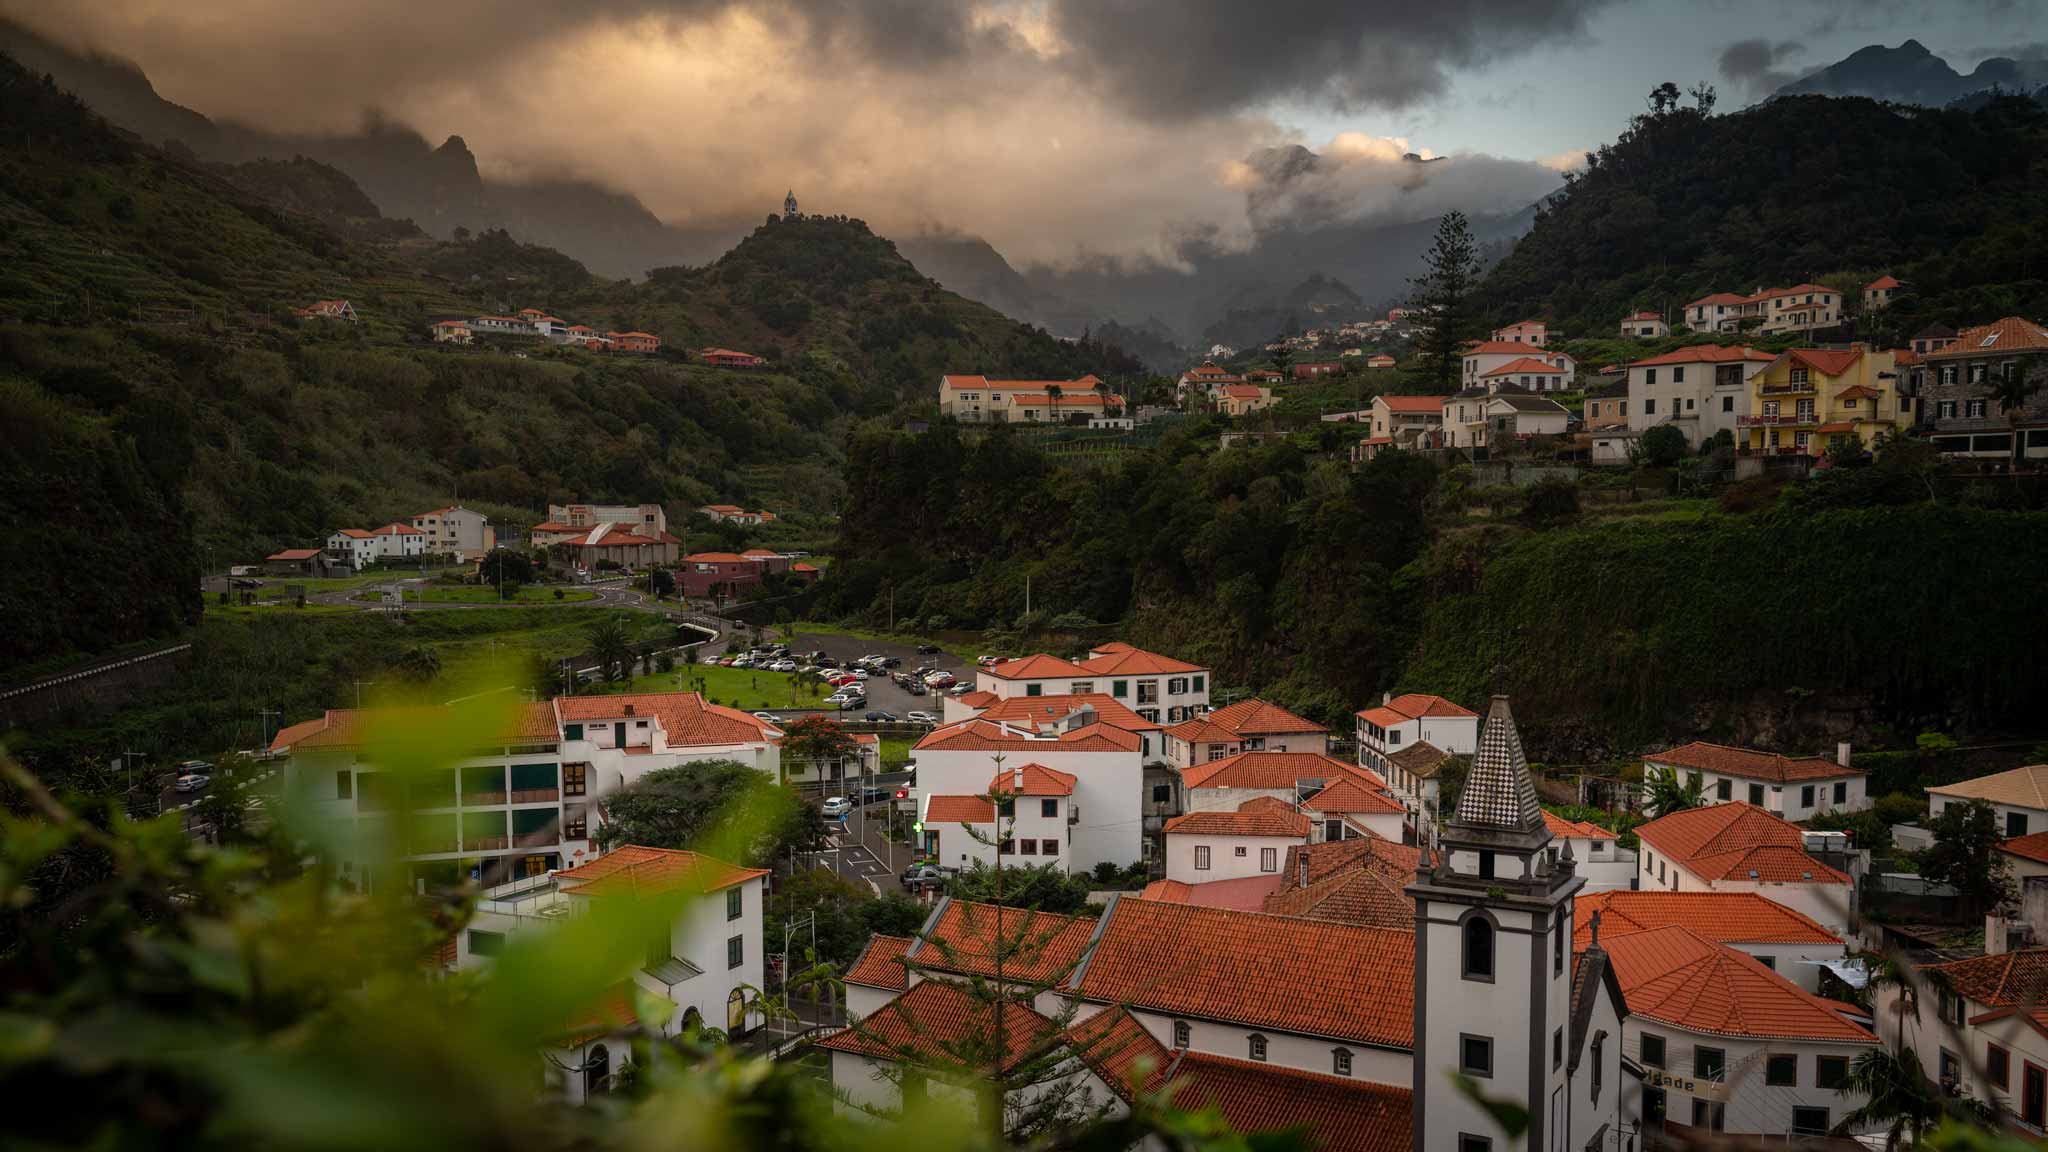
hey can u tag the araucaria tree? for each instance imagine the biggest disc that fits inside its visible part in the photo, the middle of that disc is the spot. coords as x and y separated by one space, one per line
1443 296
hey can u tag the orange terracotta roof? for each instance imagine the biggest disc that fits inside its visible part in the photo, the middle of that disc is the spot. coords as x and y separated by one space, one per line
1732 841
1421 759
1671 975
1418 705
1306 976
1497 348
2019 787
978 735
1886 281
939 1023
715 558
1274 770
1032 780
1035 667
1338 1114
1136 662
633 870
959 810
1719 298
1370 891
880 964
1412 403
1563 829
1333 856
1751 764
2006 335
1858 392
1243 391
2033 846
1351 795
1245 893
686 718
1255 717
612 1013
1035 710
1525 364
292 734
1644 316
1827 361
294 554
979 699
1127 1057
2009 978
1705 354
1259 816
1721 917
966 938
1837 426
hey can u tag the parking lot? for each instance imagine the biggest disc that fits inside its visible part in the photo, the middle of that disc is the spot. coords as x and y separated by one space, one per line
883 694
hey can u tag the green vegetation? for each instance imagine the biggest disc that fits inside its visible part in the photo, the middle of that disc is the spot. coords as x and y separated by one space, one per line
747 689
681 806
1799 189
484 594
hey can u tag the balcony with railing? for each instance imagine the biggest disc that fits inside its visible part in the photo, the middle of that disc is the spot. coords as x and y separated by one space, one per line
484 832
1793 388
1777 419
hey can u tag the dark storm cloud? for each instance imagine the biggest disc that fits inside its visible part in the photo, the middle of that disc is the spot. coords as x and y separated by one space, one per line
1172 58
1755 66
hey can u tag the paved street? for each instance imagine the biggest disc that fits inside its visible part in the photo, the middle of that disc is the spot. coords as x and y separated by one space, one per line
859 852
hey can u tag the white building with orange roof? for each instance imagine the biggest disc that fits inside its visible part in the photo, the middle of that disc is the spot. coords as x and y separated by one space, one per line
1389 735
1800 308
1530 332
1645 326
2019 796
1158 688
1878 294
1055 713
1022 816
1293 777
1246 726
1791 787
1102 816
1230 844
361 548
1982 1031
1526 373
1484 357
983 400
1700 390
1603 863
1242 399
452 530
1738 847
1794 946
1725 1043
525 808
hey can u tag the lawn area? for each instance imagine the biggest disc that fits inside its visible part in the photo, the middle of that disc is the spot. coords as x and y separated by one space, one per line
742 688
483 594
894 752
964 646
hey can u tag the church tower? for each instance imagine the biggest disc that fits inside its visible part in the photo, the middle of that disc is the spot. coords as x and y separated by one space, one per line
789 205
1493 956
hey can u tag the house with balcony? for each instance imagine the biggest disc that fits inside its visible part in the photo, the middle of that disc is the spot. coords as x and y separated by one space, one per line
1959 405
697 973
1509 418
1246 726
1102 817
728 358
1159 688
1980 1031
1811 399
453 530
451 332
1800 308
522 802
1203 380
1718 312
1404 740
1480 361
1700 390
1790 787
1407 422
985 400
1645 326
1242 399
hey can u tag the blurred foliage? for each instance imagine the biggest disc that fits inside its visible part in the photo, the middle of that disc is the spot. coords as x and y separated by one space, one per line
680 806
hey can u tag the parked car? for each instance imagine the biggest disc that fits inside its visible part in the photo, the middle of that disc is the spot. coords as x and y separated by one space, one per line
919 877
871 658
192 782
849 703
860 673
960 689
914 688
824 661
782 666
875 794
878 716
891 661
768 717
927 649
841 679
920 718
835 806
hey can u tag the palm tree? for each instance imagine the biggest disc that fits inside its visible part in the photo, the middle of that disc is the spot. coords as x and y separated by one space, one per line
2012 390
1896 1095
1053 392
1102 393
608 643
1667 792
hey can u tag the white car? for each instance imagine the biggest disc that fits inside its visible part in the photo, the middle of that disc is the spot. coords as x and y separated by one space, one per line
768 717
871 659
920 718
783 666
192 782
742 662
836 806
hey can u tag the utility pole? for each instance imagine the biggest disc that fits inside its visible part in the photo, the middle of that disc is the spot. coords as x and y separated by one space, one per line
264 715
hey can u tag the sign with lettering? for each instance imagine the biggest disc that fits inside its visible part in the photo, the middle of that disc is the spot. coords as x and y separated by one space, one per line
1690 1085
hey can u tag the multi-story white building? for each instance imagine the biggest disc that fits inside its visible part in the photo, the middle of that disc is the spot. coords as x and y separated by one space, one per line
1980 1031
1405 739
1790 787
1531 332
712 953
1486 356
1700 390
515 805
458 531
1102 816
360 548
1737 847
2020 797
1342 799
1645 325
1246 726
1024 816
1158 688
646 518
981 400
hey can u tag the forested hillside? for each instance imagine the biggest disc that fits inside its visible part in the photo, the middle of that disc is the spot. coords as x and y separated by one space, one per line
1801 188
1848 603
179 406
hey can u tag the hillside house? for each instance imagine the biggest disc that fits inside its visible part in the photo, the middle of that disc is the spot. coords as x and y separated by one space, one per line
502 326
2019 796
1408 422
1878 294
981 400
1531 332
1957 399
1098 821
1527 374
1242 399
456 531
619 546
643 518
542 323
1800 308
727 358
1316 369
641 343
328 310
720 575
1246 726
451 332
1509 418
1480 360
359 548
1791 787
734 514
1700 390
1204 378
1379 360
1645 326
1718 312
1810 399
1607 406
1932 338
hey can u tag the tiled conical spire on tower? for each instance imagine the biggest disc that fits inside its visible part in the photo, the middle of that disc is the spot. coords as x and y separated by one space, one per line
1498 792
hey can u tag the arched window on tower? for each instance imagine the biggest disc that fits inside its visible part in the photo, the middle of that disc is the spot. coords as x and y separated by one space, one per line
1478 960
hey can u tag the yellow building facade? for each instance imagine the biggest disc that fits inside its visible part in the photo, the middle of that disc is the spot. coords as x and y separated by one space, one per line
1810 399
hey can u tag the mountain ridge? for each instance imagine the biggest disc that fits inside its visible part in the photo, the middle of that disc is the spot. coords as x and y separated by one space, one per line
1912 74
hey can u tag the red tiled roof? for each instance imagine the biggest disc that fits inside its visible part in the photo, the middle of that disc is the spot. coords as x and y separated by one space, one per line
633 870
1671 975
1704 354
715 558
1243 391
979 699
1035 667
1858 392
1274 770
959 810
1248 968
1720 917
294 554
1136 662
1245 894
2033 846
1032 780
1338 1113
1418 705
880 964
1035 947
1525 364
1750 764
2009 334
1351 795
1412 403
1719 298
1837 426
1730 841
940 1023
612 1013
1259 816
1885 281
1128 1058
685 717
1563 829
978 735
1333 856
1827 361
2020 787
1497 348
2003 980
1644 316
1031 711
1255 717
1370 890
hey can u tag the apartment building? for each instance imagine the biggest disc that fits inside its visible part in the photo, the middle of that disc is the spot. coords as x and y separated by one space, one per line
453 530
982 400
1701 390
1811 399
1958 388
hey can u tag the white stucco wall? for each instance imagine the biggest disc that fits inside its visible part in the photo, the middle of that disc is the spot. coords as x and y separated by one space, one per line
1108 793
1224 861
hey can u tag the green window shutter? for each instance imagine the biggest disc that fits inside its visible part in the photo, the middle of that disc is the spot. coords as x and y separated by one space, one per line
1198 684
572 731
1119 688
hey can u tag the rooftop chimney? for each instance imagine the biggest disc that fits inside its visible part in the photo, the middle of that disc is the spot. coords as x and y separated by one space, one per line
1018 778
1842 753
1386 698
